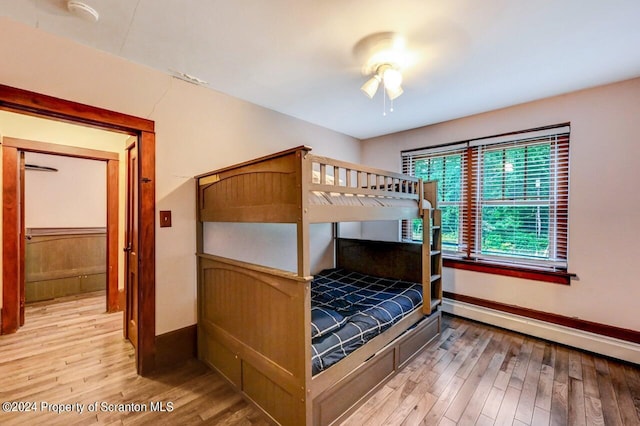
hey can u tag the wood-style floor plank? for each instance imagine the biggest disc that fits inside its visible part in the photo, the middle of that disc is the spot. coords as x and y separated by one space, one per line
526 403
576 403
484 421
608 397
590 379
560 389
545 384
593 411
435 415
541 417
459 359
522 363
633 380
507 413
509 363
493 403
468 413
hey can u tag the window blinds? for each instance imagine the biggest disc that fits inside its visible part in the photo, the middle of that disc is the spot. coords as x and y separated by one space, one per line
503 199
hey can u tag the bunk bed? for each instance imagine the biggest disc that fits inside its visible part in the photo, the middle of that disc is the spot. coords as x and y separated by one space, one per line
255 322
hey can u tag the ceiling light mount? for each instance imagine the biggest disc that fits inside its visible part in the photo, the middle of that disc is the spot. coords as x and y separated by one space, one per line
383 56
381 48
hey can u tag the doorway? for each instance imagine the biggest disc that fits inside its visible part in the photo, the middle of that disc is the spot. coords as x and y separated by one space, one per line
65 227
14 185
24 102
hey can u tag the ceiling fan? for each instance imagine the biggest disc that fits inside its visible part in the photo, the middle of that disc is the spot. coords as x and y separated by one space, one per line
384 56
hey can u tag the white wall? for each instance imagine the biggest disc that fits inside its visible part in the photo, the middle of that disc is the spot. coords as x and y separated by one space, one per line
197 130
603 208
256 243
73 197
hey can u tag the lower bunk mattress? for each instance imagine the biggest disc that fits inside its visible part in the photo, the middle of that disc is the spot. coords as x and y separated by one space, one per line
349 308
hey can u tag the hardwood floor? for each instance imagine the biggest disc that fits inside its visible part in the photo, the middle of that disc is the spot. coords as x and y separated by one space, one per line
482 375
71 352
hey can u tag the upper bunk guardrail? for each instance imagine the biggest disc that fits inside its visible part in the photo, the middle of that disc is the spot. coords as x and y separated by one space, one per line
330 175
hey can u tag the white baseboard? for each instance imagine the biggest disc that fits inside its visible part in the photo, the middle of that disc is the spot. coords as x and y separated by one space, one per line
597 343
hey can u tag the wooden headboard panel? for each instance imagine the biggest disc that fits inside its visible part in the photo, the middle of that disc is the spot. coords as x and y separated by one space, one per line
380 258
262 190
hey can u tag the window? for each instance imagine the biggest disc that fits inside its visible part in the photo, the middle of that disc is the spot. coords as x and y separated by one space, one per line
504 199
448 168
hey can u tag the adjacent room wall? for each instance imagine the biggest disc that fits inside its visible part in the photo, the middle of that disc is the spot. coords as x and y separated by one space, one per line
73 197
197 130
603 205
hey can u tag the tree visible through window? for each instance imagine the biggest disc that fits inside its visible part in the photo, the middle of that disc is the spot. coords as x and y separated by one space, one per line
447 170
503 199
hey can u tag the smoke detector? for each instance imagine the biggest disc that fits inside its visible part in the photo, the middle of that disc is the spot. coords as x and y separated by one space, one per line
83 10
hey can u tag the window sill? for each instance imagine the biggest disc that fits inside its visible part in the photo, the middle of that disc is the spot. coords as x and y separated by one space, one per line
556 277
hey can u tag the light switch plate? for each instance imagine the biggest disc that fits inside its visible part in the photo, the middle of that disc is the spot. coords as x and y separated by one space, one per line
165 218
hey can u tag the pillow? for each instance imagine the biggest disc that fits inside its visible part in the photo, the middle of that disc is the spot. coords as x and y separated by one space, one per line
325 320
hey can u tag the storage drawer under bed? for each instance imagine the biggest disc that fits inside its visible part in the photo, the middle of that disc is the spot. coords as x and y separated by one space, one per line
342 399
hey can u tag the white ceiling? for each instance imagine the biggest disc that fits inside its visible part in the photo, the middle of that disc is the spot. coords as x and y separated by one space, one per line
296 56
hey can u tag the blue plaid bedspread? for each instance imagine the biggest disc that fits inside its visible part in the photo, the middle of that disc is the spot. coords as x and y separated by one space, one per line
348 309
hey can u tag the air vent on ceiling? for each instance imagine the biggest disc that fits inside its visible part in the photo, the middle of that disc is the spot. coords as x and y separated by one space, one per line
189 78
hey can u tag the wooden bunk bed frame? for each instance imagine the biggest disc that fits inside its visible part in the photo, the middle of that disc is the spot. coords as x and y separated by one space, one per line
254 322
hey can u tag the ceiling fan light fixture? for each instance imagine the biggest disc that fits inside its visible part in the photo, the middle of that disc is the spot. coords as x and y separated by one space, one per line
384 56
370 87
393 93
392 77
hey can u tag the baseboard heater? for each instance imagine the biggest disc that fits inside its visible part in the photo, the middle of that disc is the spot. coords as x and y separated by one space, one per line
592 342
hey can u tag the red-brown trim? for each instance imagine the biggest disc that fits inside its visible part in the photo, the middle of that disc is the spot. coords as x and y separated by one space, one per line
52 148
471 205
113 167
11 245
146 254
22 237
562 207
510 271
25 102
176 347
576 323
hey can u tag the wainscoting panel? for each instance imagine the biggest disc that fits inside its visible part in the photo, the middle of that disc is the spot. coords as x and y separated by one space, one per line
64 261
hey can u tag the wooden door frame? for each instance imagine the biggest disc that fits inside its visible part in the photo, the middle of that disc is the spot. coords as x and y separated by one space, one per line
112 167
127 238
35 104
